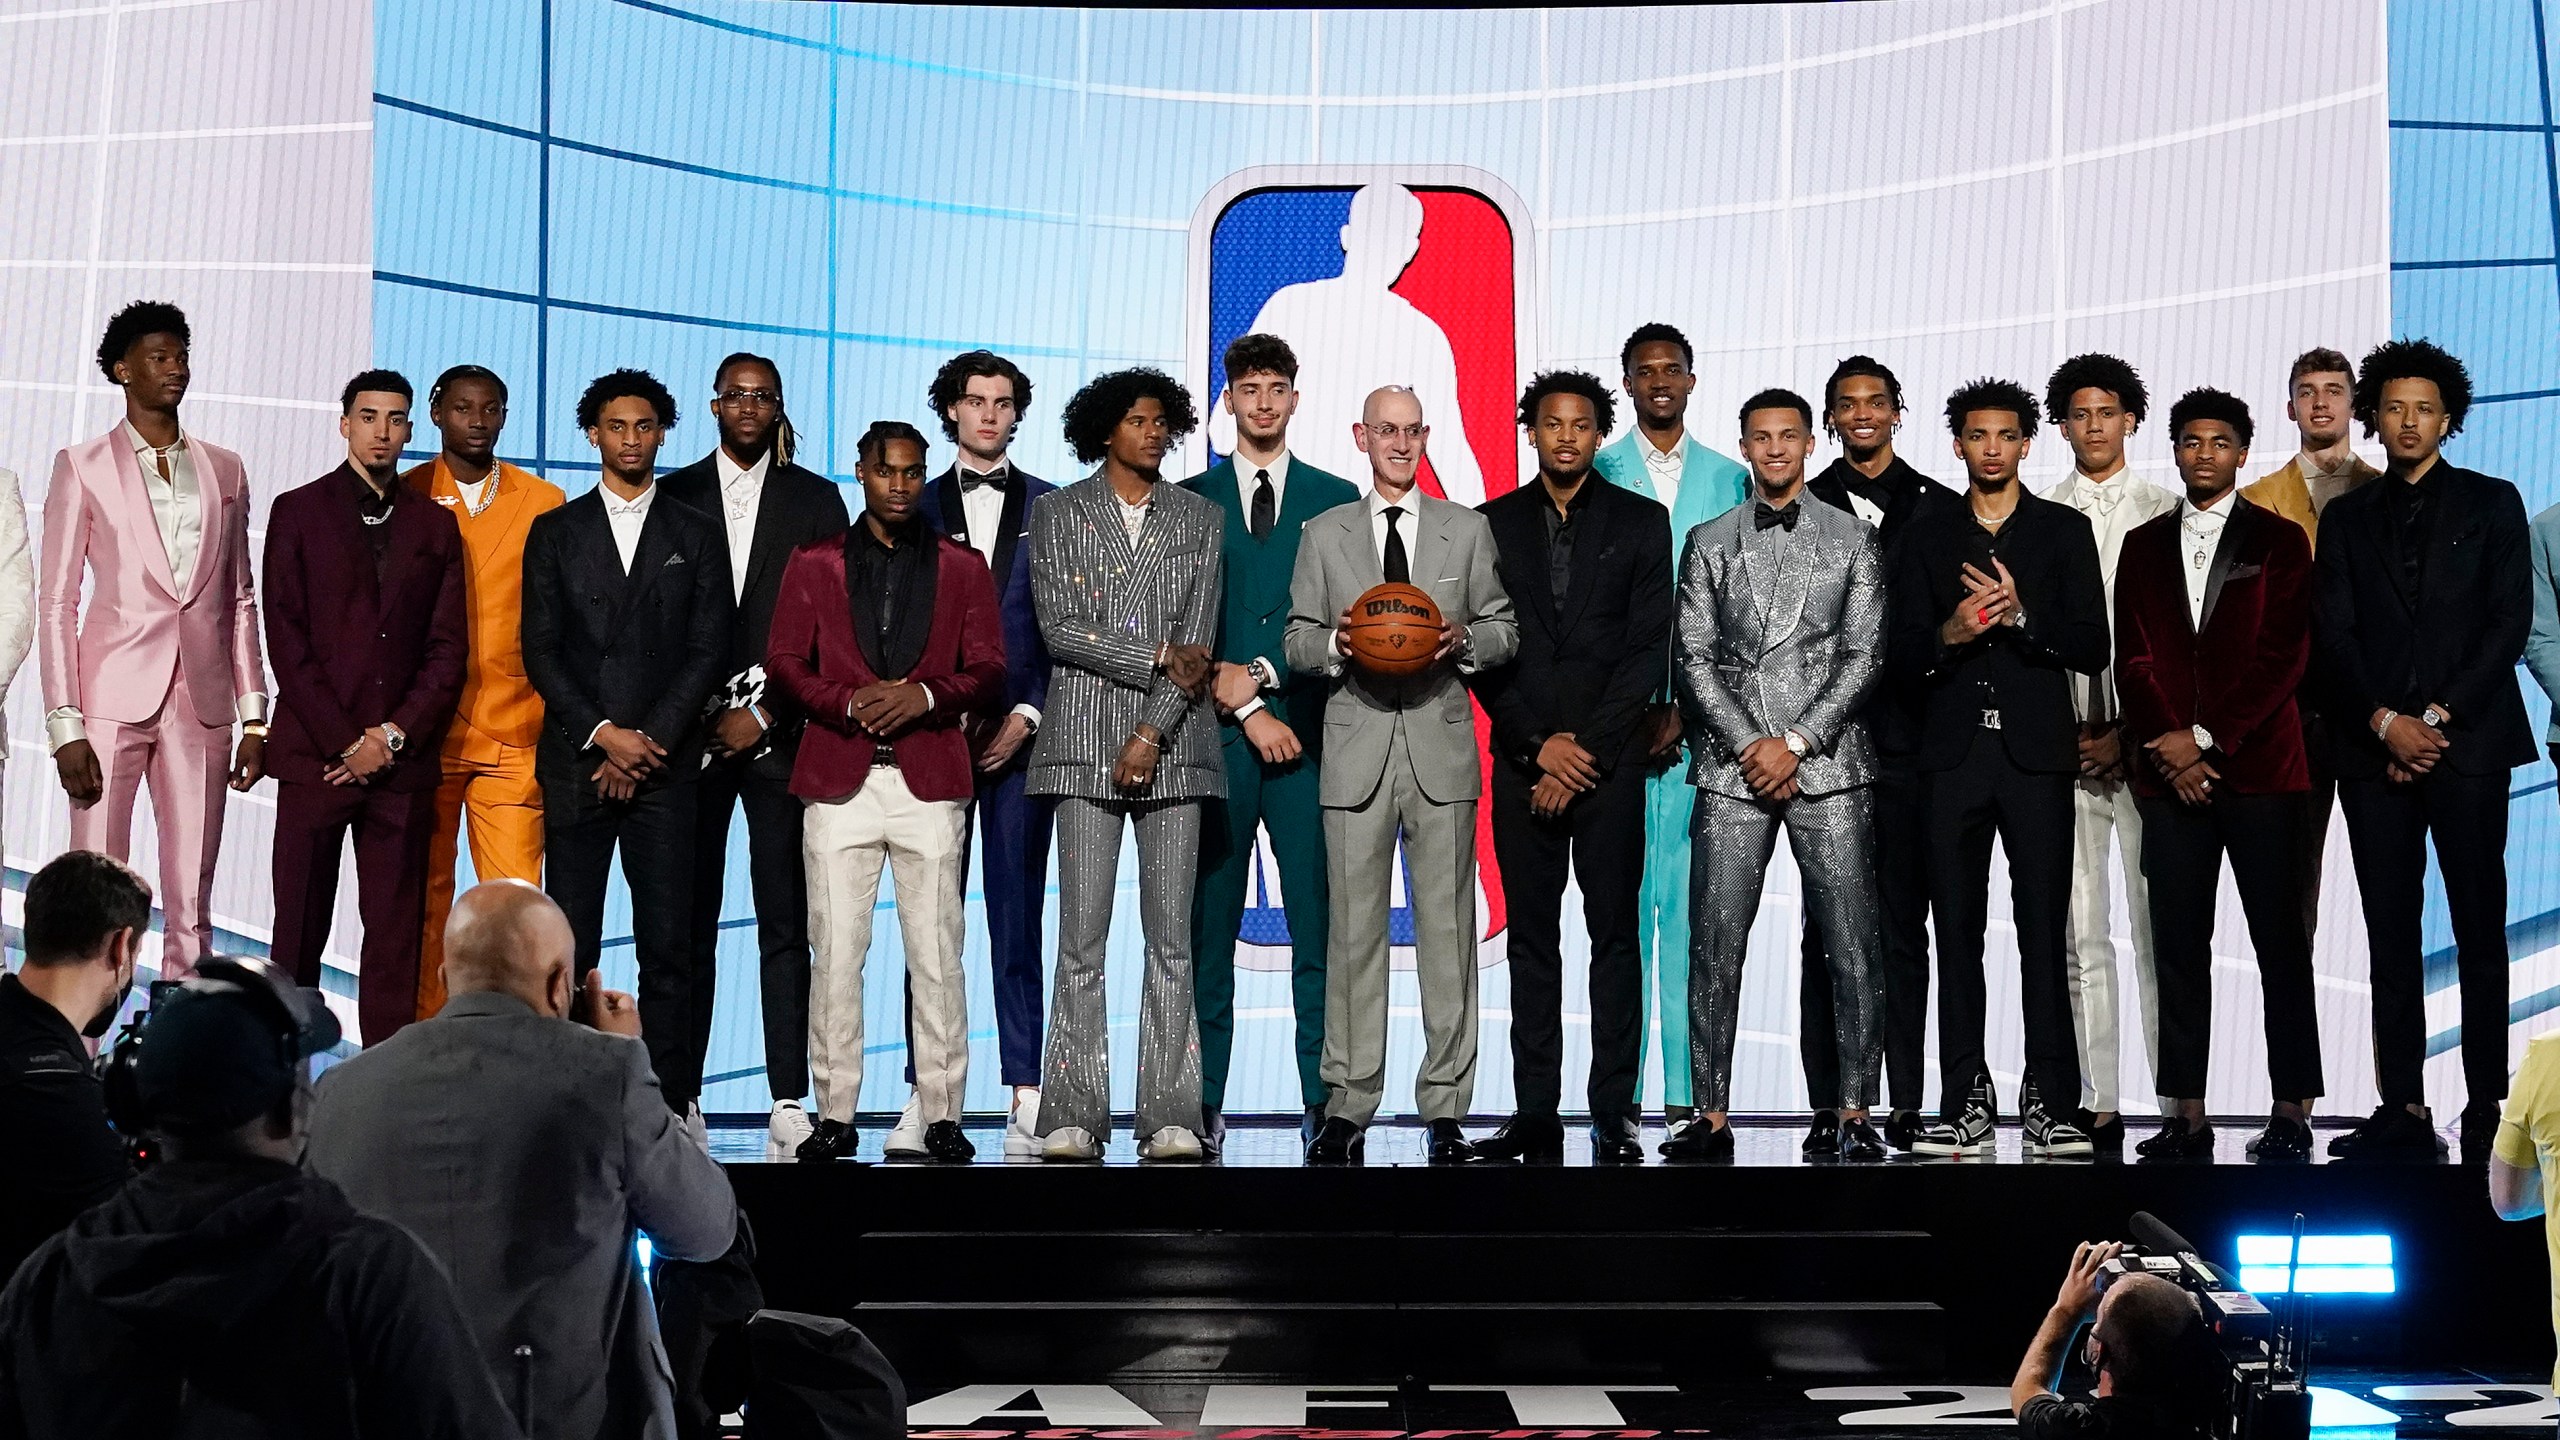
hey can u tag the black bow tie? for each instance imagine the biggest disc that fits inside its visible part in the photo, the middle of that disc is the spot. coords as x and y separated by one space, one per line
1000 479
1764 518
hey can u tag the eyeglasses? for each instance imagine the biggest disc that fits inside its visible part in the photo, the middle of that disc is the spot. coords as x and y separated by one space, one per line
1389 432
749 397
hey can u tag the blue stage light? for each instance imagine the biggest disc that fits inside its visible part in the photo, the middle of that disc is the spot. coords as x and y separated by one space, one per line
2327 1265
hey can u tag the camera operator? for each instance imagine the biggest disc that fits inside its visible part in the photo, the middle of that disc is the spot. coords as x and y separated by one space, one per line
85 918
223 1291
2142 1346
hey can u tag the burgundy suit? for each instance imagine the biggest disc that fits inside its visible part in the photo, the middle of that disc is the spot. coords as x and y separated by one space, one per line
813 655
2235 674
357 643
157 669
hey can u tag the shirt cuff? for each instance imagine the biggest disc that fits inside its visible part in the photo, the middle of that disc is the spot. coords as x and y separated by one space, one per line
929 700
592 734
1249 709
1030 713
252 708
1264 671
62 727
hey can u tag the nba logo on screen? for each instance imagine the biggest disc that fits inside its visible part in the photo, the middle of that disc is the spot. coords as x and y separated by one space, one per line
1412 275
1375 275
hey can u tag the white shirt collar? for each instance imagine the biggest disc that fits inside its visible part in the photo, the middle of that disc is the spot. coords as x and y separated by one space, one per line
1002 467
1657 457
614 505
2219 511
2311 470
1411 504
140 446
731 473
1244 474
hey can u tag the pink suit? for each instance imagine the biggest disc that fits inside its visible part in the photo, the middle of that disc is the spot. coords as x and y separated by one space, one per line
157 675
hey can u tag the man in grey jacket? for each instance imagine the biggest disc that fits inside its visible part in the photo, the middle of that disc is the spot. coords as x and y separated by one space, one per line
1400 759
1780 636
526 1149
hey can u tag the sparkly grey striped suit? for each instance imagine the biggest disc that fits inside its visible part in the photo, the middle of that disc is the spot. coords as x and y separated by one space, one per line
1105 607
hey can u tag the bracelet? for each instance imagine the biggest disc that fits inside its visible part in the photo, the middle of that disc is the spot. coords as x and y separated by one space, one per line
2382 726
1156 745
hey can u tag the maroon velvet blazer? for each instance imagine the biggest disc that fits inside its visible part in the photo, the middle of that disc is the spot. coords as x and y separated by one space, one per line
2237 673
812 654
350 651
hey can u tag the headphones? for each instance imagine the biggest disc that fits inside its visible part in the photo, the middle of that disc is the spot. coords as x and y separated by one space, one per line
270 996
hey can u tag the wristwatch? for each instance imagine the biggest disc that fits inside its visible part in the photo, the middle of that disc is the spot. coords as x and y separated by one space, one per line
2204 737
1795 744
392 739
2433 716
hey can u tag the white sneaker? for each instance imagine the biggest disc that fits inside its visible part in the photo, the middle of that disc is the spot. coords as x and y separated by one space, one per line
1172 1144
1022 1133
906 1138
789 1125
1073 1143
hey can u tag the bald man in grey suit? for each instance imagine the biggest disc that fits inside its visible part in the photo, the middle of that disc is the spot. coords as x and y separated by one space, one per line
1400 758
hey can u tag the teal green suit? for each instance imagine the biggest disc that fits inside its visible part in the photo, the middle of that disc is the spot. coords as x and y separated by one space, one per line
1282 798
1710 484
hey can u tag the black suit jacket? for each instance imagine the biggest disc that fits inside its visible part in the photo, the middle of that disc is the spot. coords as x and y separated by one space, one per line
2458 646
797 506
1893 709
1589 666
642 650
2022 671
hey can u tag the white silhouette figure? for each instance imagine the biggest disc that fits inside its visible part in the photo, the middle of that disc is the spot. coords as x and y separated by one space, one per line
1353 335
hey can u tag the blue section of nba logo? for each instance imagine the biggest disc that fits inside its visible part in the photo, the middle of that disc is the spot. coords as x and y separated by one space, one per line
1263 242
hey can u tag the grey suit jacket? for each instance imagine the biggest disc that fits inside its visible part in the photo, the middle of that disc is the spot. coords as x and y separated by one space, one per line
1755 654
525 1152
1452 562
1105 606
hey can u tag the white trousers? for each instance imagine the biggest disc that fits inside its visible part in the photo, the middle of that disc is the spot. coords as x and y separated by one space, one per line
845 842
2103 811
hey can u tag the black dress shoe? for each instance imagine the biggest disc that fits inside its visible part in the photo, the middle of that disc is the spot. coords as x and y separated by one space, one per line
2285 1141
1859 1142
831 1140
1529 1139
2391 1132
1902 1129
1822 1142
1339 1143
2107 1141
1449 1145
1213 1131
1699 1142
1616 1140
944 1143
2178 1140
1311 1125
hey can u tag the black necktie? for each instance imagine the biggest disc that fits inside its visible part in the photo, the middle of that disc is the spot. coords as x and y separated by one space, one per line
1764 518
1263 504
1399 570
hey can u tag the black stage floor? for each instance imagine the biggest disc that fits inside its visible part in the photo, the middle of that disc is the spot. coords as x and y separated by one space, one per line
1263 1272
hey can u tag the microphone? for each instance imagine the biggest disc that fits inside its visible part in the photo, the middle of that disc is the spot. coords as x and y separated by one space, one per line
2151 1234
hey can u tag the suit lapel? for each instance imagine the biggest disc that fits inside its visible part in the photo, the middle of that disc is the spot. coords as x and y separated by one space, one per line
501 514
946 504
1588 546
770 523
2226 553
2451 515
1796 563
1528 536
212 518
137 500
1361 531
647 558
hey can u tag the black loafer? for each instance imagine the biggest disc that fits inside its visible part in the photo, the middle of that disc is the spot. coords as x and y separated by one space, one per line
831 1140
1699 1142
944 1142
1618 1140
2285 1141
1311 1125
1339 1143
1529 1139
1859 1142
1449 1145
2178 1140
1822 1142
2107 1140
2390 1133
1902 1129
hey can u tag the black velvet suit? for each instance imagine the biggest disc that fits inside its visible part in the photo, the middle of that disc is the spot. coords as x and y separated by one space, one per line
795 506
643 650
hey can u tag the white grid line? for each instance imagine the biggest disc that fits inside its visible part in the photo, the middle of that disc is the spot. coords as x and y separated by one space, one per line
255 267
211 132
86 12
194 397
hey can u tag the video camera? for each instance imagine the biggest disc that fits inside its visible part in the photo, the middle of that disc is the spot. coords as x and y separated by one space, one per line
2263 1357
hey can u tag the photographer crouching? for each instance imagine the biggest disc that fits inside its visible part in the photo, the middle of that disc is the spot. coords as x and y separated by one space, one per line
2144 1347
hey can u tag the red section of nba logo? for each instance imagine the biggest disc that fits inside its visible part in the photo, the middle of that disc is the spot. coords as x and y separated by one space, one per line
1462 279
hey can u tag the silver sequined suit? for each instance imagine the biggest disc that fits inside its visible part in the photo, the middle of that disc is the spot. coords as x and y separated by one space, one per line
1105 606
1781 630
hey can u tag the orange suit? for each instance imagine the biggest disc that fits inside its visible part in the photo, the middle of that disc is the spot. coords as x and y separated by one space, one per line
488 751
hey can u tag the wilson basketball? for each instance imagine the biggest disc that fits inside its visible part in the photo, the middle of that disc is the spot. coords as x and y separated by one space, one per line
1394 630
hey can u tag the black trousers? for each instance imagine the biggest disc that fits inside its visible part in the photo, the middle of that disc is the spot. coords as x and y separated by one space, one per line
2311 822
1600 838
780 885
654 829
2388 827
1985 796
2182 850
1902 884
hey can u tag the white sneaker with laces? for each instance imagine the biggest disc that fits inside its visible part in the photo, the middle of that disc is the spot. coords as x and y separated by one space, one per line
906 1138
1022 1133
1172 1144
1073 1143
789 1126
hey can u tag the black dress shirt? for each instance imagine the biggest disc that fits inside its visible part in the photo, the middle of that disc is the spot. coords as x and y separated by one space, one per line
1563 528
2413 524
373 507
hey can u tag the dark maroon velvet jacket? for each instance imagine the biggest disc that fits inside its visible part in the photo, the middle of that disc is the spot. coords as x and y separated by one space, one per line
2237 673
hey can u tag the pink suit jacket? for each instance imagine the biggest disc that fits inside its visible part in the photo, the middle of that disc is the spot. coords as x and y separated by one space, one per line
142 637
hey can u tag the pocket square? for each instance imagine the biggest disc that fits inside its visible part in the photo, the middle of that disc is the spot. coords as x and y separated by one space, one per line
675 559
2242 572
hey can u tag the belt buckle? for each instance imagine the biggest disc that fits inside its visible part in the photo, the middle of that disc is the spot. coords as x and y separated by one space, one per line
1990 719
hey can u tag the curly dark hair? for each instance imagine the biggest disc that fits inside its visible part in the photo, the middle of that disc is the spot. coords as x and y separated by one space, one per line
1105 401
1604 408
1261 354
2411 360
1774 398
1992 393
459 373
952 381
619 385
1851 369
389 382
874 440
130 324
2095 372
1656 333
2206 403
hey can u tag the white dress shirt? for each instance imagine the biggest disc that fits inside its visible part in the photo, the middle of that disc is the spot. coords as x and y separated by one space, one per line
627 518
2114 505
982 510
1379 505
2199 535
1663 467
1266 672
741 496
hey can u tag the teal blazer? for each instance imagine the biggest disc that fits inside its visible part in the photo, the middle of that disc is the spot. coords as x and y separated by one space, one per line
1255 616
1710 484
